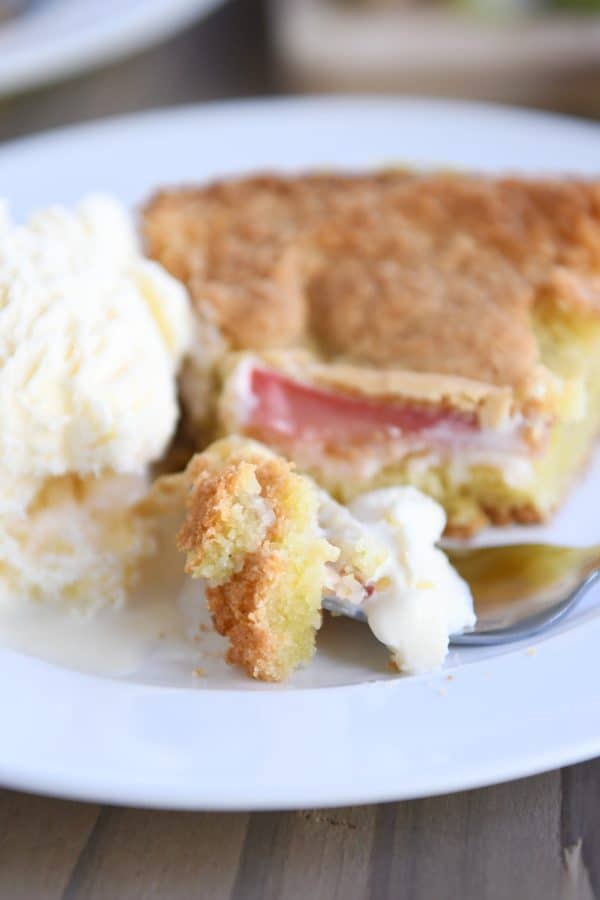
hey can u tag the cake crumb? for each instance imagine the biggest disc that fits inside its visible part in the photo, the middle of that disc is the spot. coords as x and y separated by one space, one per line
326 819
199 672
449 677
205 629
442 691
531 651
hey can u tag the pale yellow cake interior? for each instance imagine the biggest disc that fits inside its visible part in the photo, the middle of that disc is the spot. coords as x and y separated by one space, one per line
569 348
525 490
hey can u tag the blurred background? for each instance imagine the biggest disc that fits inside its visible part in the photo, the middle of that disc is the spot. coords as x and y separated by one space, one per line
68 60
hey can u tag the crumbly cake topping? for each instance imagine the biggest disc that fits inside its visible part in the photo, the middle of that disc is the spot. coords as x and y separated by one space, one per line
234 244
441 274
437 273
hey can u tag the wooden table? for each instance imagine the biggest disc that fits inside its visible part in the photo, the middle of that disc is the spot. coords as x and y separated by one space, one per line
538 838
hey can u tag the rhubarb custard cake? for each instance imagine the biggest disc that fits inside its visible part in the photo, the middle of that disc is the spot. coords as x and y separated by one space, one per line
435 330
270 544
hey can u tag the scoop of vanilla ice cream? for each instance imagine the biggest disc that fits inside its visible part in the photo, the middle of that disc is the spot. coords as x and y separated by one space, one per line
419 600
91 337
81 543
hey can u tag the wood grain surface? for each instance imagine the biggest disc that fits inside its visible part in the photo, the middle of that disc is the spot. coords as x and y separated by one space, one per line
536 839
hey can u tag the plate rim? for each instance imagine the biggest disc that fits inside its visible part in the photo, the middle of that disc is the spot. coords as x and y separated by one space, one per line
124 789
341 101
43 66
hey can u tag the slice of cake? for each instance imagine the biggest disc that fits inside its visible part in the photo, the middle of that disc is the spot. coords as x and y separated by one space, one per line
233 243
270 544
441 331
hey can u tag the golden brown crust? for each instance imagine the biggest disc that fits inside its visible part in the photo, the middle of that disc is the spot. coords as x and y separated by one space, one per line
246 509
213 493
209 504
442 273
234 243
239 604
239 611
524 514
436 273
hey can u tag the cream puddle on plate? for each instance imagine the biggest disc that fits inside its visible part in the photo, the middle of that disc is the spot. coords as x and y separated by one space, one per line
164 636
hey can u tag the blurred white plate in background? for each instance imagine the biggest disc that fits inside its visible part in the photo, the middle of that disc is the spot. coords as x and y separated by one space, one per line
344 730
53 39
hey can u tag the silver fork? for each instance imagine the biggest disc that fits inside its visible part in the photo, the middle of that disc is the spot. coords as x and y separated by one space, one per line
518 589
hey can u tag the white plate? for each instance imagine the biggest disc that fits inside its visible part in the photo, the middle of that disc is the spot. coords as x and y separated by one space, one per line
344 730
55 38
